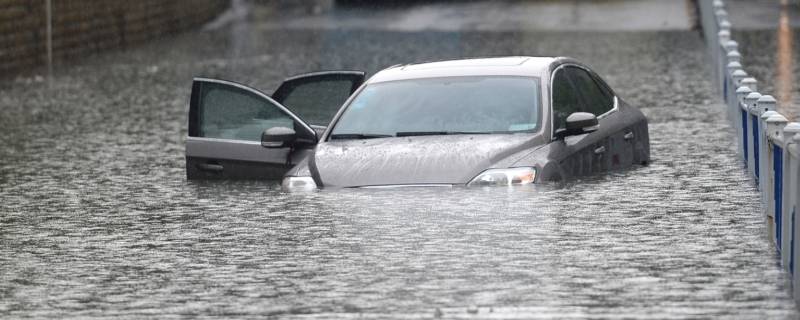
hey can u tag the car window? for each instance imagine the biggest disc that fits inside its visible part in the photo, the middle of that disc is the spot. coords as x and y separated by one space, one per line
604 88
485 104
228 112
565 99
316 102
595 100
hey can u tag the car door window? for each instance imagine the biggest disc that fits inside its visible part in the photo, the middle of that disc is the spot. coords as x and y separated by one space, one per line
604 88
228 112
316 97
317 102
565 99
595 100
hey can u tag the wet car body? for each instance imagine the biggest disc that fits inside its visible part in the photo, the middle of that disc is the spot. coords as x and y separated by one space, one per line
616 134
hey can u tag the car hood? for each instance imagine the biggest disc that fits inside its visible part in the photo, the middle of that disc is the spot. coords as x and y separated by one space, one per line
451 159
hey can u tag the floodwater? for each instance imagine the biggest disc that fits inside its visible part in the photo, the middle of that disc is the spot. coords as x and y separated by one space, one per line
768 33
98 221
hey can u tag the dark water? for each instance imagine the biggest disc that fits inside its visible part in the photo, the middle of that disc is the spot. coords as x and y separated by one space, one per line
768 33
97 219
771 57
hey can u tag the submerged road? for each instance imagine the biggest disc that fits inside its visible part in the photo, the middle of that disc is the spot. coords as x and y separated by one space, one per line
97 219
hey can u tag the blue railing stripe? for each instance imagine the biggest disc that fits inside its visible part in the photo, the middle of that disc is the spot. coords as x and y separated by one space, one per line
725 89
744 134
754 125
777 166
791 254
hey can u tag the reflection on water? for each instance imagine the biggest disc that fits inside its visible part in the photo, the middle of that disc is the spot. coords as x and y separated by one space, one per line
97 219
769 54
784 82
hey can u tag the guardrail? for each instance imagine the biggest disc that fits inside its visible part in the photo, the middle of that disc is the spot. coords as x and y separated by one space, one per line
768 144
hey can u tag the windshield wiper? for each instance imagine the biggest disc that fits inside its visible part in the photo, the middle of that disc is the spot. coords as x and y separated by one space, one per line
436 133
343 136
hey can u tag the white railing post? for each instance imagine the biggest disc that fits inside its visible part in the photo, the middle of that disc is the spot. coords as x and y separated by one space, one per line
789 200
724 34
763 104
738 113
710 27
737 76
751 83
725 25
794 193
767 157
751 101
722 56
775 124
729 46
734 55
717 54
730 94
721 15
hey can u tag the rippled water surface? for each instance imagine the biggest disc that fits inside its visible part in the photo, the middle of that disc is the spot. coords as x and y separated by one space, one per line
768 33
97 219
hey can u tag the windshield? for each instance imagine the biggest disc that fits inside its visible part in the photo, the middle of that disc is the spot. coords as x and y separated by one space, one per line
450 105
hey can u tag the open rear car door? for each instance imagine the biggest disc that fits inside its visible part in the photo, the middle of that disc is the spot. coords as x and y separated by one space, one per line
227 121
316 97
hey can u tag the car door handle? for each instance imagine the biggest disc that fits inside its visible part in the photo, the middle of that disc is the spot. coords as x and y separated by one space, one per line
600 150
628 136
210 167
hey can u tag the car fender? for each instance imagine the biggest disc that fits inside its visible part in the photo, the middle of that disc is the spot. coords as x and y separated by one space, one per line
541 158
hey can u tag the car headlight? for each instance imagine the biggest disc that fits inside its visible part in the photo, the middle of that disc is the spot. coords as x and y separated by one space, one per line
504 177
298 184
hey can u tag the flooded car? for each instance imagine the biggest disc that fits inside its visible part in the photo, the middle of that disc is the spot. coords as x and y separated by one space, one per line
491 121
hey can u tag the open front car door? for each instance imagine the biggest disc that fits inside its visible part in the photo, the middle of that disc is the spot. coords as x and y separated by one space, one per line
237 132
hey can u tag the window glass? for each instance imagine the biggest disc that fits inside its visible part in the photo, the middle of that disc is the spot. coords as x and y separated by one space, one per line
565 99
316 102
594 99
604 88
228 112
449 104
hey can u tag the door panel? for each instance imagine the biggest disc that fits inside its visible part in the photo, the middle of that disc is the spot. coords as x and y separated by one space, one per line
237 160
585 154
316 97
226 120
641 143
622 147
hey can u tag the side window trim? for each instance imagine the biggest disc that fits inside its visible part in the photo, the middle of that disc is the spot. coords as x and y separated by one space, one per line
193 112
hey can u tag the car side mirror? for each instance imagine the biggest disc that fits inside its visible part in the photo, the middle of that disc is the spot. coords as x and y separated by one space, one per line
578 123
278 137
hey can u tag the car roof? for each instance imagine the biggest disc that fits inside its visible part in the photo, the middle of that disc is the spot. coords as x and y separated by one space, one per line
505 66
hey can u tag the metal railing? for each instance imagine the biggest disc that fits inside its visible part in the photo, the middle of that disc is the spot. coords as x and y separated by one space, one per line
768 143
